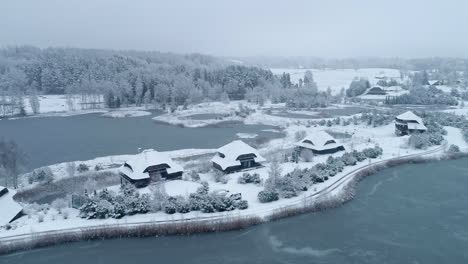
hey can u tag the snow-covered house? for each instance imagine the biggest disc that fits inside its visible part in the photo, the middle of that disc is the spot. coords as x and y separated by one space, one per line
376 90
408 123
319 143
9 209
148 166
236 156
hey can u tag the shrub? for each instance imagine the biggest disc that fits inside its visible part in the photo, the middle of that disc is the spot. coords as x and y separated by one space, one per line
360 156
59 205
299 135
82 168
307 155
453 149
194 176
372 152
98 167
170 208
219 176
348 159
267 196
242 204
249 178
419 141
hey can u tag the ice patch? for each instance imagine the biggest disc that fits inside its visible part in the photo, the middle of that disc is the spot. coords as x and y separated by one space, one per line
375 188
126 113
246 135
308 251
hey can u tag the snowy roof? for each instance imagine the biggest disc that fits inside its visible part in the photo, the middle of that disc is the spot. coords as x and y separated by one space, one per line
150 157
410 116
432 82
320 140
416 126
231 153
9 209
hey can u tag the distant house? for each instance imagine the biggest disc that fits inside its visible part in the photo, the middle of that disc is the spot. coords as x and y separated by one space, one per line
408 123
236 156
376 90
149 166
9 209
434 82
320 143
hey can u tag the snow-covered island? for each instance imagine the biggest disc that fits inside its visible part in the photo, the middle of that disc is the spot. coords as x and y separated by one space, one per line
315 162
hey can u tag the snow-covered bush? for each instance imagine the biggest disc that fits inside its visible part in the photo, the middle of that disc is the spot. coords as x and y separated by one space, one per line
300 135
158 197
360 156
106 204
307 155
170 207
419 141
242 204
82 168
59 204
42 175
348 159
372 152
249 178
98 167
194 176
220 176
266 196
453 149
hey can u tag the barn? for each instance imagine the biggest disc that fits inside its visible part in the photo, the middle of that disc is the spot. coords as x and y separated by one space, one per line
9 209
408 123
149 166
319 143
236 156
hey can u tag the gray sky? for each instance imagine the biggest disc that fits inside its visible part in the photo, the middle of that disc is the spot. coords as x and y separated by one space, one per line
325 28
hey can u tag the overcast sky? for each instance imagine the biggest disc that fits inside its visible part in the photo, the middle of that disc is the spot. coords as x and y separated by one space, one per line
325 28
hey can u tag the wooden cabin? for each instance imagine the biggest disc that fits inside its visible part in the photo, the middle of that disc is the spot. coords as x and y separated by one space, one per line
149 166
9 209
319 143
408 123
376 90
236 156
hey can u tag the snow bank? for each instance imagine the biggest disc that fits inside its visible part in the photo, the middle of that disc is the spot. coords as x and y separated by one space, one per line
126 113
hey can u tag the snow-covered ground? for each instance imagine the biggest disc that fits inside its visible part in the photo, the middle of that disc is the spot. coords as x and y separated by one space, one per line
338 78
362 137
59 105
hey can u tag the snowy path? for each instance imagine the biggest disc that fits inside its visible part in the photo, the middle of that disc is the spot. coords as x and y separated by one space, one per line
262 212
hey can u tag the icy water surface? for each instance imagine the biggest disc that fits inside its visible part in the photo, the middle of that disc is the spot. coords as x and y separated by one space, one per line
49 140
407 214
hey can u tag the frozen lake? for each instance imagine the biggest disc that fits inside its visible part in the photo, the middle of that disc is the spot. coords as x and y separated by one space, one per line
49 140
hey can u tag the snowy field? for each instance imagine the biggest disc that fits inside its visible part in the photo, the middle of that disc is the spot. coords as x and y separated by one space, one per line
59 105
338 78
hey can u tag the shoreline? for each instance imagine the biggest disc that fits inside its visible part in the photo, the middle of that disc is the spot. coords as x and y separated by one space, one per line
197 225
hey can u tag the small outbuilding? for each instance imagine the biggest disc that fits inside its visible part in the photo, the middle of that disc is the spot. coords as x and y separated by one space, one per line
408 123
319 143
150 166
9 209
376 90
236 156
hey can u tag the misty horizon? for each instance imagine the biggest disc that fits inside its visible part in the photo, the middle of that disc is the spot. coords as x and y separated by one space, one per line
243 29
